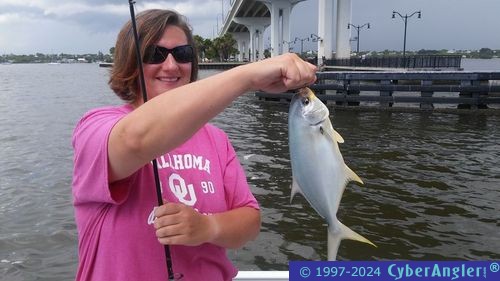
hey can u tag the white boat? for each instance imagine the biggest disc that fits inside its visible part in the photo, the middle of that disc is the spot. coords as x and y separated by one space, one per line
262 276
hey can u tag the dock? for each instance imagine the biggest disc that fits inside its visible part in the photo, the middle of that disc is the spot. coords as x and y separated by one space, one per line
219 65
201 65
388 89
106 64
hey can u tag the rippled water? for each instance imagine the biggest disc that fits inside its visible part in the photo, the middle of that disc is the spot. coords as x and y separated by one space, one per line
432 180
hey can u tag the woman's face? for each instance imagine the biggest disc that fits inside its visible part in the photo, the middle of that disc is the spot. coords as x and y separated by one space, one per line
169 74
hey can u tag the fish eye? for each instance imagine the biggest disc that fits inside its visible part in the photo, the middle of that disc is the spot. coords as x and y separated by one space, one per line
305 101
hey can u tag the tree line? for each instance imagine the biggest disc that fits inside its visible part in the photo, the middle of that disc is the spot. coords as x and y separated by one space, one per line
220 49
223 49
62 57
483 53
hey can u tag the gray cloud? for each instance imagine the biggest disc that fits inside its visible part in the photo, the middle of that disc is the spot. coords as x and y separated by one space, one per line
445 24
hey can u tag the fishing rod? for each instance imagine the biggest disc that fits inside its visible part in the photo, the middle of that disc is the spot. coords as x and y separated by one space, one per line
168 257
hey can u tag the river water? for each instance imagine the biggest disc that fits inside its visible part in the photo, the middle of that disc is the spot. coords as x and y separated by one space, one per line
432 180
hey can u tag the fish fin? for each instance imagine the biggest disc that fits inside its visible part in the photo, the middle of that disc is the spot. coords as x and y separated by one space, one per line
331 133
338 137
339 233
295 189
351 175
347 233
343 232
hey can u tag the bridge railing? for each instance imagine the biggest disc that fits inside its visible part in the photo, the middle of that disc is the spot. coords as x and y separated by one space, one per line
444 61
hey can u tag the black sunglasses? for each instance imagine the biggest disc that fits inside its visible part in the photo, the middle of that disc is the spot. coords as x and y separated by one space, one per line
156 54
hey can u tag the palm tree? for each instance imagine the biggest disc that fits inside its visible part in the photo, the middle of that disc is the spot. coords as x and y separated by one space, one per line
224 46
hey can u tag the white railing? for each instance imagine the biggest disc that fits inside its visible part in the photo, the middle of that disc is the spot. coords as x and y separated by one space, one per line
262 276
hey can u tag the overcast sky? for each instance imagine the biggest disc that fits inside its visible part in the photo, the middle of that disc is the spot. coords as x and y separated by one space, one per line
89 26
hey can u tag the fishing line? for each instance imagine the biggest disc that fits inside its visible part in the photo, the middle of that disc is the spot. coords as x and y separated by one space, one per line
168 257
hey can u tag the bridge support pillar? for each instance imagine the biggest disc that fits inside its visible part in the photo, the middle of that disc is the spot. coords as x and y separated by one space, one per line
256 26
280 24
243 41
343 19
325 30
257 42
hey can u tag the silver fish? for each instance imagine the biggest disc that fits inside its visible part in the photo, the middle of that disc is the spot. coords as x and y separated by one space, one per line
318 168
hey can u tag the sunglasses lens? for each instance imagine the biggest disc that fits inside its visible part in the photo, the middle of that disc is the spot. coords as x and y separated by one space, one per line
156 54
183 54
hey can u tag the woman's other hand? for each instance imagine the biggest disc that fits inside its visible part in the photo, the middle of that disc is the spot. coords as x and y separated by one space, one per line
179 224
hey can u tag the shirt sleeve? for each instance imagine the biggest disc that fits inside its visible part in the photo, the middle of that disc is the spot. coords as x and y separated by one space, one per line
90 170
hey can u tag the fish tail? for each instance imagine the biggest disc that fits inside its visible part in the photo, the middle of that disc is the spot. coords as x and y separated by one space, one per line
348 233
343 232
351 175
333 245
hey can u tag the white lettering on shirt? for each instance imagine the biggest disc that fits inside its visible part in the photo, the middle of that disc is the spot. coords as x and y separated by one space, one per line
184 162
185 193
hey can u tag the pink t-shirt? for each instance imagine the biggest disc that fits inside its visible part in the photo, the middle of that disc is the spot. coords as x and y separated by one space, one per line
116 238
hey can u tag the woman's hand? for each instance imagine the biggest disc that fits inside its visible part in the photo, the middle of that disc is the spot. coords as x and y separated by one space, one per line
179 224
281 73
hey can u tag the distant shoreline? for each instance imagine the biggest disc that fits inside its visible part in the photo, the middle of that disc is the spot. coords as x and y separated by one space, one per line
100 62
468 64
483 53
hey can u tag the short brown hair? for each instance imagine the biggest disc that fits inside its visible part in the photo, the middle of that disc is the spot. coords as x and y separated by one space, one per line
151 24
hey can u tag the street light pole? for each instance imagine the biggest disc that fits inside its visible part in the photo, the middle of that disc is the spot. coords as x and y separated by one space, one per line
358 27
289 43
222 6
405 20
222 22
301 43
316 38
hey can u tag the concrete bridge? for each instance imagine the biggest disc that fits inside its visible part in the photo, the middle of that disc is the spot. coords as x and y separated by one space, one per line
248 19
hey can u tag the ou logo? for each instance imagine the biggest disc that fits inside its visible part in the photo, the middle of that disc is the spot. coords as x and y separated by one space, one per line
185 193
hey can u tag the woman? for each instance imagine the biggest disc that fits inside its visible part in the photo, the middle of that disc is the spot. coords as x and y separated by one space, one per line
208 206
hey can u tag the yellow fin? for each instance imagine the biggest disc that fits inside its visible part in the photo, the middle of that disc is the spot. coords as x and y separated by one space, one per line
331 133
351 175
338 137
343 232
